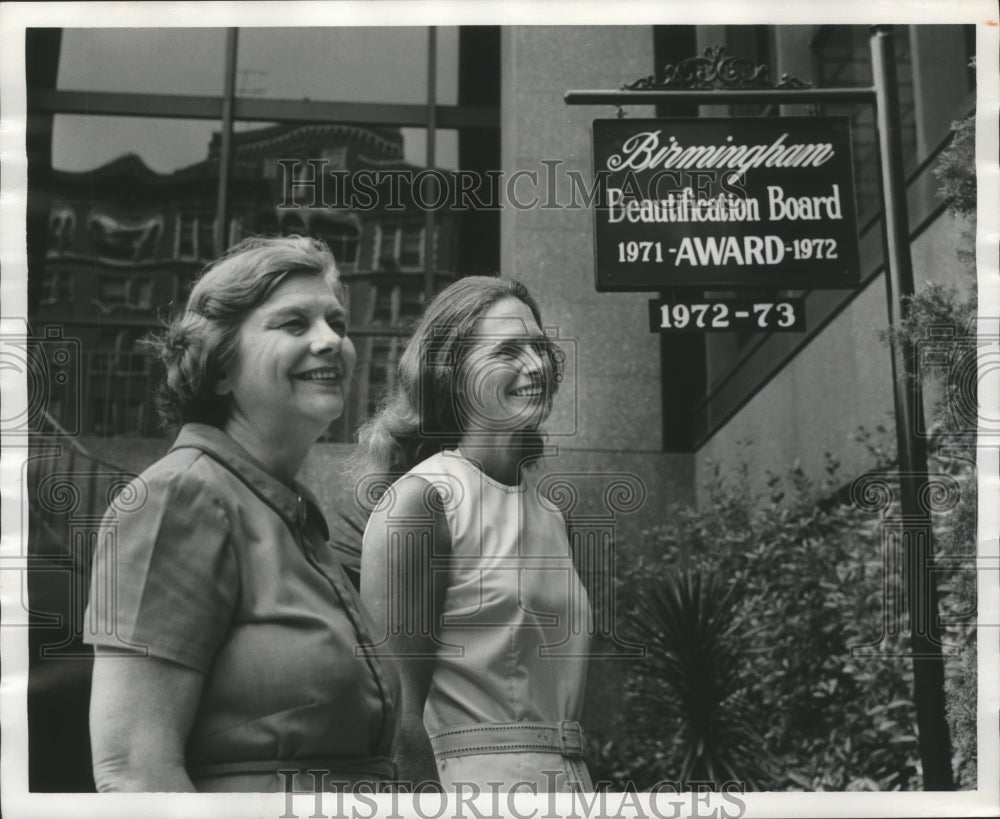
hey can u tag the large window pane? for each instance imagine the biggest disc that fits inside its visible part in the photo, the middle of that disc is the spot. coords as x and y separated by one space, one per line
348 64
143 60
132 200
445 147
131 215
83 143
133 218
447 65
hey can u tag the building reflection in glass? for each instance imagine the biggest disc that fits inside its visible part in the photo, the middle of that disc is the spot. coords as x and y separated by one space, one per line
125 242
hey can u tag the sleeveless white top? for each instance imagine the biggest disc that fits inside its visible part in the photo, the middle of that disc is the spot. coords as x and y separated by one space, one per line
516 620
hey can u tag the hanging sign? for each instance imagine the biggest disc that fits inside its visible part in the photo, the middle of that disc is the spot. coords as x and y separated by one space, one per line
725 203
702 315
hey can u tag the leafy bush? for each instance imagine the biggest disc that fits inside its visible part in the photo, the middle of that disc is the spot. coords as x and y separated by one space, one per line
811 585
958 595
956 168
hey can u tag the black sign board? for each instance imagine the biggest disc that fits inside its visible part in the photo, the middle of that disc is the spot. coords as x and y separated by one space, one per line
725 203
779 315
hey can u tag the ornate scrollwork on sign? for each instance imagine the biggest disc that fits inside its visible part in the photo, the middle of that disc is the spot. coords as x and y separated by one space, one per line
714 70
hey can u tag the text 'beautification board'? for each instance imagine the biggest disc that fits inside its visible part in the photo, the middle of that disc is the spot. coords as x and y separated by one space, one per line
725 202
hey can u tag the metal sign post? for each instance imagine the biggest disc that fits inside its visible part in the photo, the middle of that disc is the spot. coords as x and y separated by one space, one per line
925 631
714 79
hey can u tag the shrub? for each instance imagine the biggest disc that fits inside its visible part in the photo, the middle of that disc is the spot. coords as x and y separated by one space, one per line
811 588
693 683
956 168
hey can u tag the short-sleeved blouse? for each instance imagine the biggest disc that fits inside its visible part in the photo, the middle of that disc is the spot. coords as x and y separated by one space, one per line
225 569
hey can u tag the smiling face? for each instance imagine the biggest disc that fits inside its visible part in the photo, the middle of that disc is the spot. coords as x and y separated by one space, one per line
505 379
293 361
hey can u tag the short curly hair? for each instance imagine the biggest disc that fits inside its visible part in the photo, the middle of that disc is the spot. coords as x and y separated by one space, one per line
200 342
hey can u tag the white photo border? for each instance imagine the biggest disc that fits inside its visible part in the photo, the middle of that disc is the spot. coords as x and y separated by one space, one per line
16 17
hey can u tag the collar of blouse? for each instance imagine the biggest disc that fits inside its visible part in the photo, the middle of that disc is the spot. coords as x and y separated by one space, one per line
291 502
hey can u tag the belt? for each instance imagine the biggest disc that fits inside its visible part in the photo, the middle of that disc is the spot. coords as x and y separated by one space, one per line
377 767
565 737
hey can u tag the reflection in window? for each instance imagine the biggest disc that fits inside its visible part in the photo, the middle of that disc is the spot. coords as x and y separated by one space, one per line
136 196
343 239
152 145
206 234
291 224
131 292
124 239
186 236
237 230
400 247
112 414
62 225
128 357
57 286
445 147
346 64
411 246
267 223
142 60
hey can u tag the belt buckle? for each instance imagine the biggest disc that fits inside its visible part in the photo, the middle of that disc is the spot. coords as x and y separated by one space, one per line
571 738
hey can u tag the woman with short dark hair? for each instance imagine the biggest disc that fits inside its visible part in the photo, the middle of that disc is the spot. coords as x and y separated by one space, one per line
224 627
465 566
